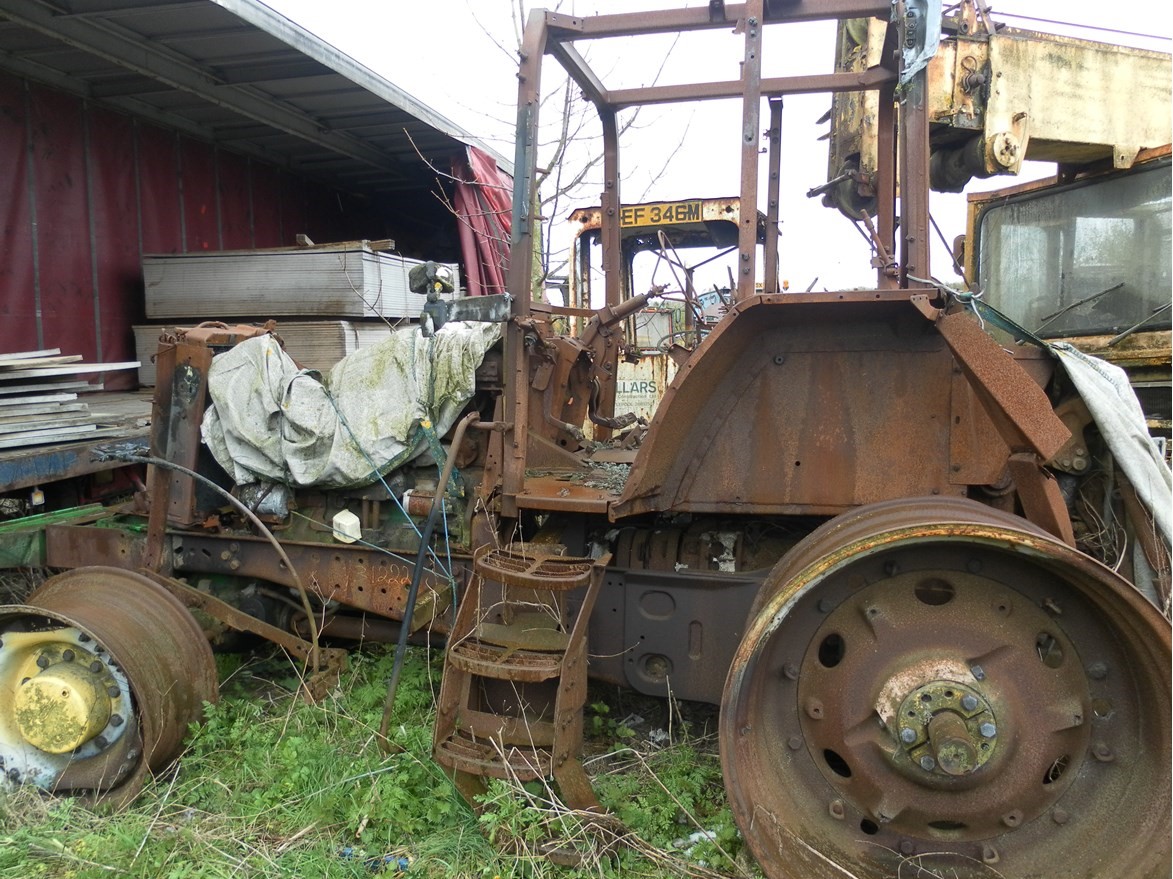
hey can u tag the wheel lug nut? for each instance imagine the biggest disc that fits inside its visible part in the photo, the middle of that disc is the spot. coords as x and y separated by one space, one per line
1097 671
95 666
969 702
42 661
113 692
794 742
907 847
116 720
99 741
67 655
1060 816
978 673
790 671
927 763
988 730
908 735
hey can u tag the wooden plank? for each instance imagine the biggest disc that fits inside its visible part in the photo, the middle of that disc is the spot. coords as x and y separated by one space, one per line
51 386
25 362
34 399
17 355
75 369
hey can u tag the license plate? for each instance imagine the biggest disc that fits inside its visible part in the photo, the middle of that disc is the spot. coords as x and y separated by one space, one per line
662 214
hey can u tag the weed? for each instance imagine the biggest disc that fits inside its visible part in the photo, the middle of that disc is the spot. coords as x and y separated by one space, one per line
273 787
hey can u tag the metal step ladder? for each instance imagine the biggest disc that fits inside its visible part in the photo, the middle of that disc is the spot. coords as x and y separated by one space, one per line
514 681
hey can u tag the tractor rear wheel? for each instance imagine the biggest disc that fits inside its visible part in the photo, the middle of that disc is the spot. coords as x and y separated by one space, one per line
930 687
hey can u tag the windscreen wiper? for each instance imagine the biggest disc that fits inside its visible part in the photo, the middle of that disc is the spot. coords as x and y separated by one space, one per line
1062 311
1132 329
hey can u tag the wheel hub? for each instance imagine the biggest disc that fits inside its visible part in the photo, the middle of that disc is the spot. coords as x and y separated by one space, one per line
907 723
67 704
947 728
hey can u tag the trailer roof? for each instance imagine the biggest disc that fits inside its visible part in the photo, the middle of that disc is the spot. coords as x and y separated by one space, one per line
239 75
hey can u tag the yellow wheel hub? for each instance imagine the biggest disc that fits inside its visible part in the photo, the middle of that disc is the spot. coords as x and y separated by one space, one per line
62 707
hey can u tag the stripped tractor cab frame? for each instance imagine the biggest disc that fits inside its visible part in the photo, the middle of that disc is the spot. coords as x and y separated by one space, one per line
862 723
853 522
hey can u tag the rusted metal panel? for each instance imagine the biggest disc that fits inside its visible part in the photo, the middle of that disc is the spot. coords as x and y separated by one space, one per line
72 546
564 491
1039 494
1018 407
977 452
782 410
180 400
364 579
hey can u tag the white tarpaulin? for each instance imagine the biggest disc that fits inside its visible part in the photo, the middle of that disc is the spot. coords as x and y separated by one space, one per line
1117 413
272 422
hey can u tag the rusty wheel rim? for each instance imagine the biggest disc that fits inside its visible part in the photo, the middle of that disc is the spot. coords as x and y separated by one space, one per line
120 669
935 686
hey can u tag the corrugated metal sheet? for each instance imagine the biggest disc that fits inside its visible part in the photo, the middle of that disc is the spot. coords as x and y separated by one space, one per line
236 74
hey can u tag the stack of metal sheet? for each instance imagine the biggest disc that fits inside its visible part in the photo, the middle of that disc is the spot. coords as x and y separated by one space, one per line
39 398
353 279
328 299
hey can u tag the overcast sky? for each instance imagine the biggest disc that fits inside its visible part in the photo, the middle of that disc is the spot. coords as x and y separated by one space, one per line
459 57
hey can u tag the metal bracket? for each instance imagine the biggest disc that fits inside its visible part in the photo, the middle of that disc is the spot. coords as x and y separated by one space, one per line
315 685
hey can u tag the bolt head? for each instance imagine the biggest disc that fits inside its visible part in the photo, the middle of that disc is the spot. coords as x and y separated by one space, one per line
988 730
908 735
927 763
969 702
978 673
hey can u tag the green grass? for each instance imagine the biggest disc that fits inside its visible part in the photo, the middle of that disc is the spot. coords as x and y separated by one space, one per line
271 786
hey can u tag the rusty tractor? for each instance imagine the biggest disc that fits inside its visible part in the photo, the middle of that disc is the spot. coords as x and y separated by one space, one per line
852 522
